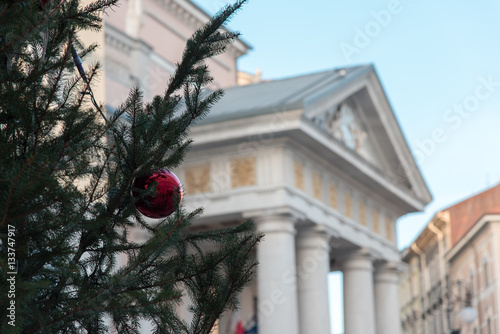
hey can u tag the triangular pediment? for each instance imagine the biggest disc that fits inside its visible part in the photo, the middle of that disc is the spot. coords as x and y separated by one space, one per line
357 115
345 123
350 111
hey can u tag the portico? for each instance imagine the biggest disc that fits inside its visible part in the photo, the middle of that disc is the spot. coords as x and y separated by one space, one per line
320 164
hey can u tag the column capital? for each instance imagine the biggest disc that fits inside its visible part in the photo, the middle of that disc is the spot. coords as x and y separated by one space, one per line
313 237
275 220
360 259
387 272
389 266
283 212
275 225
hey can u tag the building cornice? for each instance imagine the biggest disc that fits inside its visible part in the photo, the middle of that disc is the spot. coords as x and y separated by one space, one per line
437 223
195 17
398 139
358 166
118 40
125 44
470 235
297 127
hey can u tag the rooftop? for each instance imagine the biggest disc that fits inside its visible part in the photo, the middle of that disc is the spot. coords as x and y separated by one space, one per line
279 95
466 213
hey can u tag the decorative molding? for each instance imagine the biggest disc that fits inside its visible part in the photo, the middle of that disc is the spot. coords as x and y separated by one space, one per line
284 211
182 13
195 18
348 204
359 167
299 175
306 211
197 179
333 195
118 40
362 212
243 172
317 186
341 122
388 228
375 220
366 79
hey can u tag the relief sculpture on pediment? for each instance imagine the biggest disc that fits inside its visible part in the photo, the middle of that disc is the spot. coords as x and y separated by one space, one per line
343 125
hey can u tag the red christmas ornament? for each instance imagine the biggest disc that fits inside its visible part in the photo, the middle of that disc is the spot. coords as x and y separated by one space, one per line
160 204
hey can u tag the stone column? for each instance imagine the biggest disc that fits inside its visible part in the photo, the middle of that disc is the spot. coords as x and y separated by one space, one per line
276 276
313 266
359 313
386 299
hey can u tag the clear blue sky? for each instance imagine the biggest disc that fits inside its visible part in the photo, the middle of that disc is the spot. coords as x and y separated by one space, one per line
431 56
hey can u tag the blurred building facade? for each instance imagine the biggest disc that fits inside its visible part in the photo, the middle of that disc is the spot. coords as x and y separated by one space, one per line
457 252
318 161
142 40
320 164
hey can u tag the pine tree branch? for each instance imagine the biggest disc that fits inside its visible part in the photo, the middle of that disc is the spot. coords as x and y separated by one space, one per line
59 73
234 288
124 307
11 193
69 236
6 9
101 291
192 54
133 127
35 120
35 26
198 272
99 176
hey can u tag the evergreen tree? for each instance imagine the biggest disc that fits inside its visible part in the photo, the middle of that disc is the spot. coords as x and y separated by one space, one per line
66 206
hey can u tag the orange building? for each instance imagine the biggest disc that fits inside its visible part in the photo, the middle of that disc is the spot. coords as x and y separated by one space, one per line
457 253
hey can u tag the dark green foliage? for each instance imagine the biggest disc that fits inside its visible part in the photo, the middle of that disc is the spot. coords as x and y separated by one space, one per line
66 178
